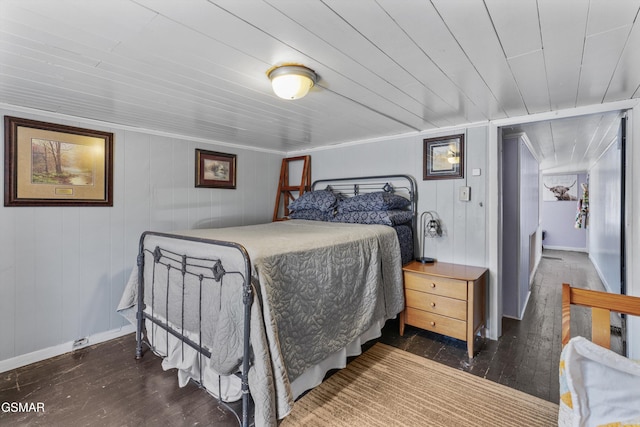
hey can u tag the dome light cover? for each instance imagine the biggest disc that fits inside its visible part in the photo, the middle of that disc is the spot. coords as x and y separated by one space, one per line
292 81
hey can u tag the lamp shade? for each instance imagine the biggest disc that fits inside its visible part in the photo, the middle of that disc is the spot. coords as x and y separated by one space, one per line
292 81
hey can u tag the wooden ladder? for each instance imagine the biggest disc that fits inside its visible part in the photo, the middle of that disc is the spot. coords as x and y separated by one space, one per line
286 190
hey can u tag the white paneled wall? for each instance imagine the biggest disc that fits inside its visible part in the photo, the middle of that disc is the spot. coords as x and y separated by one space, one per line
464 239
605 222
63 269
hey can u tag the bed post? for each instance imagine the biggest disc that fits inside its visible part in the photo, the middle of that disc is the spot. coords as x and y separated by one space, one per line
140 308
247 299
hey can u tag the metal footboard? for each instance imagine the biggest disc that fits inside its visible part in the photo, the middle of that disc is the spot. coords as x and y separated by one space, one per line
207 271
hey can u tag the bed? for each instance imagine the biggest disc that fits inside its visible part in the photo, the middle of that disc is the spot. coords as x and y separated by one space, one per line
262 312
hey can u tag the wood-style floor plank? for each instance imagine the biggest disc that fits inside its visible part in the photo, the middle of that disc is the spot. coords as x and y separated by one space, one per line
104 385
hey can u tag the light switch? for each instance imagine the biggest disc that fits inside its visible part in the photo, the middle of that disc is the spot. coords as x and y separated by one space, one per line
476 172
465 194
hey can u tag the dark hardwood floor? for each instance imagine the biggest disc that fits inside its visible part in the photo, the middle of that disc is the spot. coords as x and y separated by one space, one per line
104 385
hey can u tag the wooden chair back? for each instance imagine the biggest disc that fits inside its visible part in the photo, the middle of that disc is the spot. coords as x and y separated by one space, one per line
601 304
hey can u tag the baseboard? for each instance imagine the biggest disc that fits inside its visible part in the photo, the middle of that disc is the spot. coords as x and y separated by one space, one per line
526 302
57 350
602 277
565 248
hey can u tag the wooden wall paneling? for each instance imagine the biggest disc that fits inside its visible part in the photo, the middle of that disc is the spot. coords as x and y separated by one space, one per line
562 25
600 59
94 269
453 71
529 219
478 103
8 271
229 202
520 220
354 51
46 261
604 217
619 87
476 209
254 44
183 178
137 201
161 184
385 50
446 211
510 230
201 207
460 239
517 26
480 43
70 287
64 268
249 177
121 255
24 281
530 74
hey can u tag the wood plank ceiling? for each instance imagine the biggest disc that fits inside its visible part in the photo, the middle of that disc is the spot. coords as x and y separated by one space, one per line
198 68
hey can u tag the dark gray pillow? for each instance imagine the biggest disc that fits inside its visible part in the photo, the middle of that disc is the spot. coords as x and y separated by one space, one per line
311 214
323 200
378 201
389 217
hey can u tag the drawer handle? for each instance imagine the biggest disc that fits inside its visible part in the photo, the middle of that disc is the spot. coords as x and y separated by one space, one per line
433 285
433 323
433 304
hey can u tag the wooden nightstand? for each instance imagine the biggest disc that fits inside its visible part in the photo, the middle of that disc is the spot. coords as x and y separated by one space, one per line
445 298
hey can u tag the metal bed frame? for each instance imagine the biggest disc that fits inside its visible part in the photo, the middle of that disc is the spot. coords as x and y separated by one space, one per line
211 272
196 266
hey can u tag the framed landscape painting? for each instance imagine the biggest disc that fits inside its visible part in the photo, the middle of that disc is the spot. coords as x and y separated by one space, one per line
48 164
215 170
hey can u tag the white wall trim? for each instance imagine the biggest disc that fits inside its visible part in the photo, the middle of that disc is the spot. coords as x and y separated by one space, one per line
600 275
111 125
569 112
566 248
57 350
416 134
632 226
494 232
524 306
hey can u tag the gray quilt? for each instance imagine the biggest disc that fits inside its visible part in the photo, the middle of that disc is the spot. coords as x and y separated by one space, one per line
321 286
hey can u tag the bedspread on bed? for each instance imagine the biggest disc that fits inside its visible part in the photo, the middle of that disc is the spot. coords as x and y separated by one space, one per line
300 264
322 284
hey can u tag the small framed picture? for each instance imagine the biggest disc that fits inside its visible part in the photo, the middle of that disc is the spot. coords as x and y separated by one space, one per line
215 170
443 157
47 164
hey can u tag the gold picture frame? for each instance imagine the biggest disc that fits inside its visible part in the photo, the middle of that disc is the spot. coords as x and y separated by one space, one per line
48 164
215 170
443 157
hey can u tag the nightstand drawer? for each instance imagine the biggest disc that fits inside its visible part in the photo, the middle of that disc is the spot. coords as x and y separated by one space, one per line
436 285
437 304
435 323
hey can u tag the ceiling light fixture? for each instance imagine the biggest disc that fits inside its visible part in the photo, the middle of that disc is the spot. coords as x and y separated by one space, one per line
292 81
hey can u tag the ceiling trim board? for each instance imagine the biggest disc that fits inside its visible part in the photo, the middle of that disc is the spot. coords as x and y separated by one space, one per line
568 112
110 125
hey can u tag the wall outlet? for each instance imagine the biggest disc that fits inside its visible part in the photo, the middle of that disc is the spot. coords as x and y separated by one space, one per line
465 194
80 342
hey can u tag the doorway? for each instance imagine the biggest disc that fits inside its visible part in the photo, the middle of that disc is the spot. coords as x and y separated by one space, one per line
603 182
